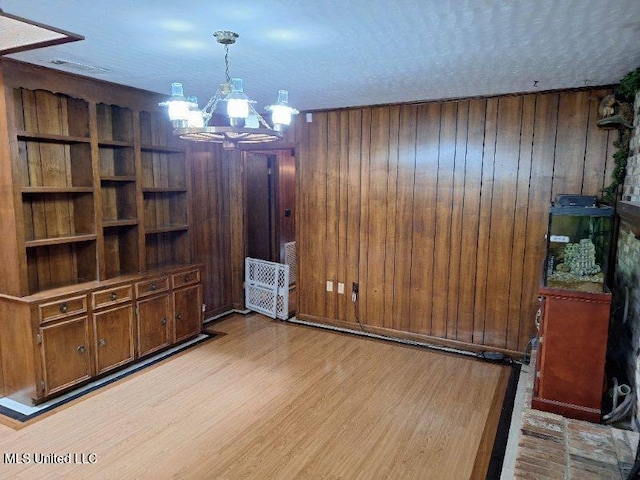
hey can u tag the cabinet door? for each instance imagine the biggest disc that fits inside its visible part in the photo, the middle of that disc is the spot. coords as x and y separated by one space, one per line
65 354
187 312
114 337
153 324
573 351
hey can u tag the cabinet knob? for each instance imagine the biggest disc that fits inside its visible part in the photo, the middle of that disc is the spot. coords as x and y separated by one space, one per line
81 349
186 278
153 286
64 307
114 295
102 342
178 316
163 321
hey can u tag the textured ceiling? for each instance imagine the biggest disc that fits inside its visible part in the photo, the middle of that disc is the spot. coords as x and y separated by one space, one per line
342 53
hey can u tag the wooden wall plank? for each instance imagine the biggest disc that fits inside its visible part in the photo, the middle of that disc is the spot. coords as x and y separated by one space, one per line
390 257
406 170
573 119
542 160
444 198
377 215
457 226
314 256
344 207
484 225
504 193
303 225
354 200
332 177
363 257
237 208
612 137
424 215
516 322
470 220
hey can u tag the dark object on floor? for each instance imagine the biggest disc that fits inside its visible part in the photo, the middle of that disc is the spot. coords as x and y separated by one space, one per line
494 357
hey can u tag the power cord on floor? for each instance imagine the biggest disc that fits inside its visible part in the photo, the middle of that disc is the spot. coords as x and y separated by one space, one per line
526 359
356 306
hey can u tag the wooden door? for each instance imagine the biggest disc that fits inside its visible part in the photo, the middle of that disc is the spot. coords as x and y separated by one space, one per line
65 354
260 221
153 324
114 337
187 312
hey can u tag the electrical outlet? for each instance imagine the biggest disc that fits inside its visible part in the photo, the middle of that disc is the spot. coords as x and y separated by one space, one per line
329 286
341 288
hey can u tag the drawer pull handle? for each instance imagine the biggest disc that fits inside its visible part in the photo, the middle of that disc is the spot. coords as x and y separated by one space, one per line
178 316
163 321
186 278
153 286
64 307
114 295
102 342
81 349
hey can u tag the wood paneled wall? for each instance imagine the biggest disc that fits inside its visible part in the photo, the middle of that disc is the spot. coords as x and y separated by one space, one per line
217 231
439 210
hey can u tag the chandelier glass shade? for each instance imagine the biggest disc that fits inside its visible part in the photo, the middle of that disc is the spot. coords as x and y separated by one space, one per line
244 125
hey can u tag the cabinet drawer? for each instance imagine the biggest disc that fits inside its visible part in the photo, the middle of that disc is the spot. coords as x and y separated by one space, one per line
149 287
185 278
111 296
62 308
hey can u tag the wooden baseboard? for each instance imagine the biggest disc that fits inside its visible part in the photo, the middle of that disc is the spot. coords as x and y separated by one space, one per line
389 332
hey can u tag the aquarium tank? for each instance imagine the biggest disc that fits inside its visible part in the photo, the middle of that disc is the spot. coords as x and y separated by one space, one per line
578 242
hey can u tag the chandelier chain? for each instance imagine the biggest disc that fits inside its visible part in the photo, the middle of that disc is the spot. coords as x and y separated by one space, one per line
226 63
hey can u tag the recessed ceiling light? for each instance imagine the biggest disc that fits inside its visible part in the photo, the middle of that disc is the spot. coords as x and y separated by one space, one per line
18 34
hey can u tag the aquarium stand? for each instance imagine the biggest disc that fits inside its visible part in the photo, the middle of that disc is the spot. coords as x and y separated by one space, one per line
571 354
574 310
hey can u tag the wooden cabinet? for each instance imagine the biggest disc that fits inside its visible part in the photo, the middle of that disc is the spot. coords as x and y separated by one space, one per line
95 228
64 347
187 313
571 354
154 314
166 318
113 342
65 337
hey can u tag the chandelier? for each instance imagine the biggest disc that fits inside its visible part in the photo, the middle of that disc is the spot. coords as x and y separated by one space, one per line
244 125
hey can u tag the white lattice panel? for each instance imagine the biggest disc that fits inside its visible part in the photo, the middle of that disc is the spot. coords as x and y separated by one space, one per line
267 288
291 259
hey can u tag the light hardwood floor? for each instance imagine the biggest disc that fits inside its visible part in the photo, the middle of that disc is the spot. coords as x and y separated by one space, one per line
274 400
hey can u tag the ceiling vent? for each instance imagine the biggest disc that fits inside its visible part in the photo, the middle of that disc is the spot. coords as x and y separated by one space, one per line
79 66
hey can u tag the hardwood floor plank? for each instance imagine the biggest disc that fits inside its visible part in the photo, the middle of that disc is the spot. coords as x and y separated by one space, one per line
274 400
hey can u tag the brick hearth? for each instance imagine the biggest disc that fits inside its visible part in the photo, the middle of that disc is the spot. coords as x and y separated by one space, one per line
555 447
